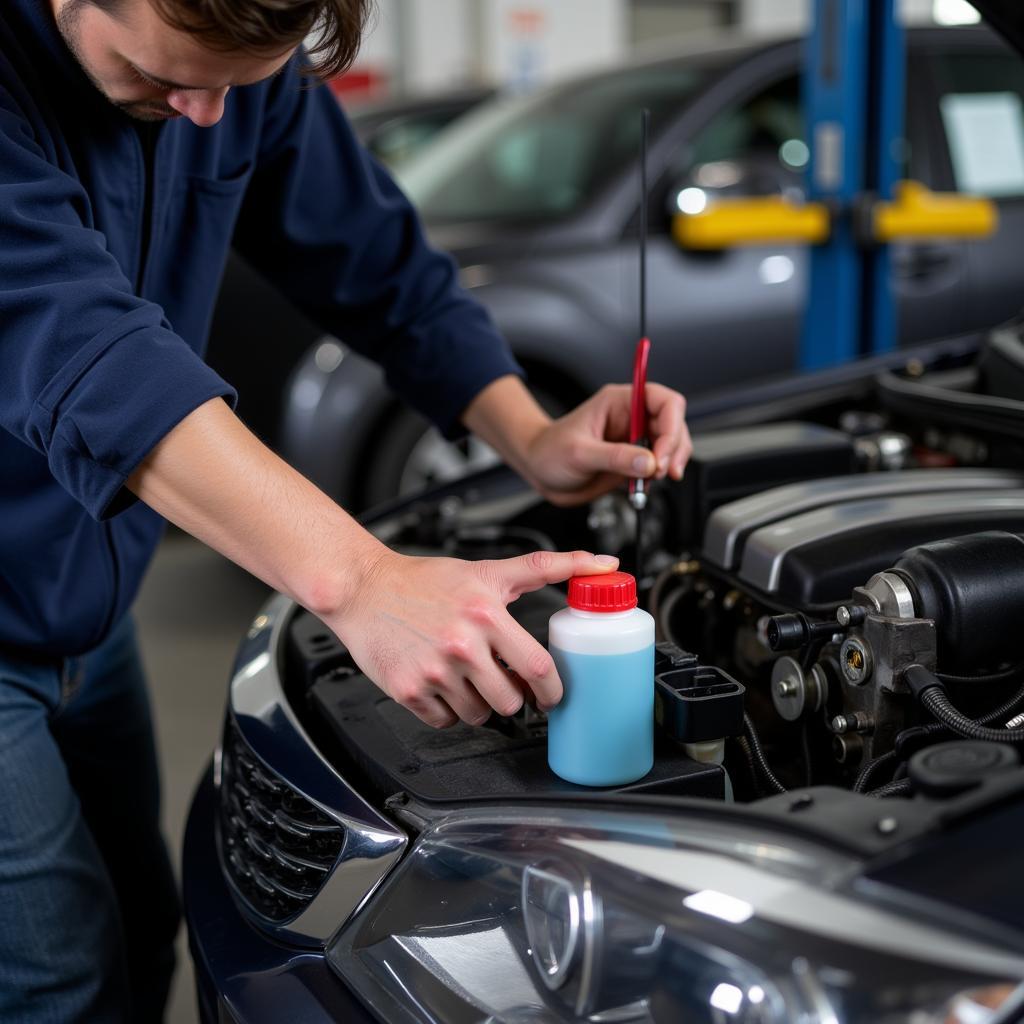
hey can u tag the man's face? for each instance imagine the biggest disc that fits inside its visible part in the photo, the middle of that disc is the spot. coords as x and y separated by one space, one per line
152 71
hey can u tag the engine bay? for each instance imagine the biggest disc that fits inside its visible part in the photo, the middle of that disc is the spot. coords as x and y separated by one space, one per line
836 600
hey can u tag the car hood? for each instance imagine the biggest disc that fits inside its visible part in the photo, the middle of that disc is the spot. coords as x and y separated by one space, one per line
1006 17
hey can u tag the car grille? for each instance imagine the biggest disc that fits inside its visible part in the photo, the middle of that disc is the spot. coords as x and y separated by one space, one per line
278 848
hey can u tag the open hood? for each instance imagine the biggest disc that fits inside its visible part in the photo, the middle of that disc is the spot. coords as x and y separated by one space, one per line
1006 17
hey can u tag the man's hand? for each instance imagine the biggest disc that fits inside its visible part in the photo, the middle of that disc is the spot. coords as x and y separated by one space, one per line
586 452
429 631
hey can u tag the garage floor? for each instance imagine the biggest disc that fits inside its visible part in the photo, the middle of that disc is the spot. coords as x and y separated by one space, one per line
191 614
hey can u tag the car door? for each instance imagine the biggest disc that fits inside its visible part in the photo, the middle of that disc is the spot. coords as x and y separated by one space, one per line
737 314
732 314
979 107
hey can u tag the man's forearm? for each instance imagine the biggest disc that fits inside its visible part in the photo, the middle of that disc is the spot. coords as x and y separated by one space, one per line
508 418
214 479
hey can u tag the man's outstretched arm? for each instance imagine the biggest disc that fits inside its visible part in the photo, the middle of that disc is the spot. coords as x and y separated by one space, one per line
426 630
586 452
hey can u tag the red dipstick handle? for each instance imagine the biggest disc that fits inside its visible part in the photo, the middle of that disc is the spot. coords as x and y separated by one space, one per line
638 416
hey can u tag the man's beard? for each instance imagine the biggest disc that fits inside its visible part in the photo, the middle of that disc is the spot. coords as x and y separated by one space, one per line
141 110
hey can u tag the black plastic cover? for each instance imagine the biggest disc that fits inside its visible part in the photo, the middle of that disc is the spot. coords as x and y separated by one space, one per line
823 574
694 703
973 587
395 752
311 650
730 464
974 866
398 753
950 768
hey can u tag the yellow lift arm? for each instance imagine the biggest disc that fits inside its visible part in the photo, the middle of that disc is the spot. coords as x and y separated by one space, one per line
916 213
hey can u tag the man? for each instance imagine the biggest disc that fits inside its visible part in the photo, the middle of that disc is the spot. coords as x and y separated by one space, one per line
138 138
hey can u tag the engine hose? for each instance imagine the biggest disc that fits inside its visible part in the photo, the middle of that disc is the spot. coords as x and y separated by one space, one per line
748 761
1008 707
999 714
867 774
900 787
757 754
936 730
932 696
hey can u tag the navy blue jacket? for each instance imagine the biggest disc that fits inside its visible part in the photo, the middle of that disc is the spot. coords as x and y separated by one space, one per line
113 238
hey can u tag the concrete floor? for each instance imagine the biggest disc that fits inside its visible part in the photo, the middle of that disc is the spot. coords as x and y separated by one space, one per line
191 613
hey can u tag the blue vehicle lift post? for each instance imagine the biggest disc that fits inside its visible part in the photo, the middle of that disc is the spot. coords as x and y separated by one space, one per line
853 89
856 204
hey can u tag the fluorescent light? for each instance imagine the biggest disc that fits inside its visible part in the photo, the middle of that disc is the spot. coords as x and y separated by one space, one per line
954 12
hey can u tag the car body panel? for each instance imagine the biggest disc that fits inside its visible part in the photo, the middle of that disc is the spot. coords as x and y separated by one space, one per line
241 974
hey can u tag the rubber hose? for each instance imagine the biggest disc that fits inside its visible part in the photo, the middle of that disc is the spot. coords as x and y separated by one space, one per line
866 775
1007 708
930 693
748 761
936 701
760 761
901 787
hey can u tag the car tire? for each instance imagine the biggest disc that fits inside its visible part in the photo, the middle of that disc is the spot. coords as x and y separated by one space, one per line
410 454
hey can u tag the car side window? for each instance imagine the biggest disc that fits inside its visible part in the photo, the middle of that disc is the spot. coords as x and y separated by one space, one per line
768 127
759 147
981 108
756 147
398 139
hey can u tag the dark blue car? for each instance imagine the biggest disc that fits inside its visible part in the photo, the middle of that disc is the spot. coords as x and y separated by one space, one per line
839 564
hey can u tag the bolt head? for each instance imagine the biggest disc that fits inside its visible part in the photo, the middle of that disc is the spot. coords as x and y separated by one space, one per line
839 723
887 826
785 687
843 616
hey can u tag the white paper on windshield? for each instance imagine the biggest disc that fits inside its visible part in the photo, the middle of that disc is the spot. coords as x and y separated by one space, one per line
986 141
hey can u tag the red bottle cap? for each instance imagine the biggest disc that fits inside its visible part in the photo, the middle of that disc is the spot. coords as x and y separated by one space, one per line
609 592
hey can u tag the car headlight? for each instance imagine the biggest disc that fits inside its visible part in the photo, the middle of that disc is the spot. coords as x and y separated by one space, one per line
602 916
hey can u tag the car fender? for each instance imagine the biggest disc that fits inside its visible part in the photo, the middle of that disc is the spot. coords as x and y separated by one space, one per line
332 403
555 334
336 400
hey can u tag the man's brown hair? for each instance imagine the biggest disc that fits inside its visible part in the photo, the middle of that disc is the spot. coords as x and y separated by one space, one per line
266 26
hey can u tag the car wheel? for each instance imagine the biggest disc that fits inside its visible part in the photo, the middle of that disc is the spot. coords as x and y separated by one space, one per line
411 455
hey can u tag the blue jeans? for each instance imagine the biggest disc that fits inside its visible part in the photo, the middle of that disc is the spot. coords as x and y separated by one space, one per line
88 904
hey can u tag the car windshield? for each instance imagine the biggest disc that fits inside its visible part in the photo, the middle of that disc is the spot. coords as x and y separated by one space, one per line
545 155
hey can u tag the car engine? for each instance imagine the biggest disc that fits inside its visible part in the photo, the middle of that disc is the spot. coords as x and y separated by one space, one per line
836 601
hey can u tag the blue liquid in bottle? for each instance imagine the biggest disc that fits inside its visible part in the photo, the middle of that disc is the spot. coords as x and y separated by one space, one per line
602 732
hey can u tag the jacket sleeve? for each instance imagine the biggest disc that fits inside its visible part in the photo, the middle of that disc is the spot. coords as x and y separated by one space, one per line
327 223
91 376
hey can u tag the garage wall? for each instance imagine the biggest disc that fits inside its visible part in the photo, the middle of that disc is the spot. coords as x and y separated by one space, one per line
526 43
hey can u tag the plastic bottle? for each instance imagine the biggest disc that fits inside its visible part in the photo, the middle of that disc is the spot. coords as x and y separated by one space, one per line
602 732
